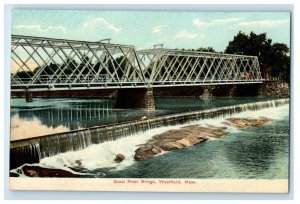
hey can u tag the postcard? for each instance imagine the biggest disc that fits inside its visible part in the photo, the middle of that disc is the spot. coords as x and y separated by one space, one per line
151 101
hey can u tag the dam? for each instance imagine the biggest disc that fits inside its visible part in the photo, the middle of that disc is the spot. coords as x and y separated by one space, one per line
32 150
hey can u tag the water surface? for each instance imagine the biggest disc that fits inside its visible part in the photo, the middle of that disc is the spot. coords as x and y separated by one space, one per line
51 115
252 153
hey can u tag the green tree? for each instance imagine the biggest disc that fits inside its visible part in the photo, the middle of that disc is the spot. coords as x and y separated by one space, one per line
275 55
27 75
205 49
281 61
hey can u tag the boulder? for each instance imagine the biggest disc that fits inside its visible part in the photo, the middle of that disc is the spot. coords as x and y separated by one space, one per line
193 139
248 122
119 158
169 146
146 152
156 150
184 142
265 119
206 132
172 135
177 139
78 162
36 171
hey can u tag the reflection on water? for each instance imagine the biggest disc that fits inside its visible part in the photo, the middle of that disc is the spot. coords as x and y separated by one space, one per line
52 115
22 129
72 114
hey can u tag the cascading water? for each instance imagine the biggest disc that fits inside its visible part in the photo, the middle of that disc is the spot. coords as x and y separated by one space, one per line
49 146
27 153
98 159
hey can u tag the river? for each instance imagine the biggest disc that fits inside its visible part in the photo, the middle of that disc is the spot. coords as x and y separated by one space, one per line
259 152
46 116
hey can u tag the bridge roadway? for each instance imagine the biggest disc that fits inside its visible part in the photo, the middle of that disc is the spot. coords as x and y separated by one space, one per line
47 64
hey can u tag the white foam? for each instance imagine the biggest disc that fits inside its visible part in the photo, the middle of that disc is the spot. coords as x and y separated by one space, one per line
274 113
103 155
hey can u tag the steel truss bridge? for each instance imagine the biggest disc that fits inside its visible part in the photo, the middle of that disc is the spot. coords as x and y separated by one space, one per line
40 64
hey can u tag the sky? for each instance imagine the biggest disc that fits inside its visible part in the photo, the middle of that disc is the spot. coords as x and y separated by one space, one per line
143 29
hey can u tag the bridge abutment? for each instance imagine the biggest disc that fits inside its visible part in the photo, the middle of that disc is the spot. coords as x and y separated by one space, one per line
274 88
136 98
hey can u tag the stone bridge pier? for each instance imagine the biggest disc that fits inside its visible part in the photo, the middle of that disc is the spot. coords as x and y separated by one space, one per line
143 98
28 96
136 98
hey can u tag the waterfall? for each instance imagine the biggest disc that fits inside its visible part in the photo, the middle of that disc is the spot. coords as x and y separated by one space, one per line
64 142
33 150
26 152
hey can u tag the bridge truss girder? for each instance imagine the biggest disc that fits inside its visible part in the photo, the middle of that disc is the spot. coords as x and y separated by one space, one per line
186 68
59 64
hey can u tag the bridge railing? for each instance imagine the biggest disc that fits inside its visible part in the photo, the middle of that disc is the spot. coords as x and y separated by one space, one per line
48 80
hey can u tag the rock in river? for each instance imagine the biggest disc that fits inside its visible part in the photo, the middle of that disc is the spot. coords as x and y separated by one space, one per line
36 171
177 139
146 151
191 135
119 158
248 122
78 162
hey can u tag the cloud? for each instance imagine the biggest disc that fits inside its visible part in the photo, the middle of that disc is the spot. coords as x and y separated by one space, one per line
101 21
158 29
187 35
39 28
199 22
264 23
226 20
